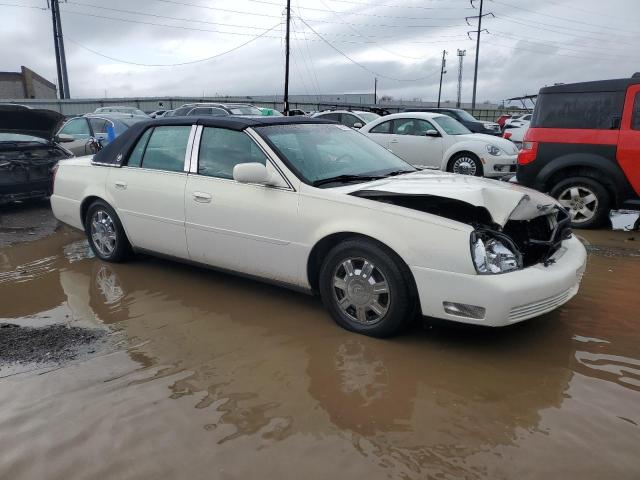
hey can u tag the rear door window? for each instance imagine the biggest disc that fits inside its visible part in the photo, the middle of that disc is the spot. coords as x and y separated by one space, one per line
135 158
166 148
635 115
580 110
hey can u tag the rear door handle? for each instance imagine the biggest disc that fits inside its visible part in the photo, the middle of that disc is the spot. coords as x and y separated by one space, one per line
121 185
201 197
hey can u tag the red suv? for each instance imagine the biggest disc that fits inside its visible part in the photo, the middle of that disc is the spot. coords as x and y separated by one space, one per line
583 148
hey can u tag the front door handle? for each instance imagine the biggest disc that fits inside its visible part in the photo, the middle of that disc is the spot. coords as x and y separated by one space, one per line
393 141
121 185
201 197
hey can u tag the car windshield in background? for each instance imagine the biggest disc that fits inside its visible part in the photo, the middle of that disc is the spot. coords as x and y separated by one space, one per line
18 138
466 116
245 110
320 152
451 126
368 117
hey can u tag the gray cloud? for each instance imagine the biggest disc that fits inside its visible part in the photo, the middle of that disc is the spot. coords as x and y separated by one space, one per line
519 56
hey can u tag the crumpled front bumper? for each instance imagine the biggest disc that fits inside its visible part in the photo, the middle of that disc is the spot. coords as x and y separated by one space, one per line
508 298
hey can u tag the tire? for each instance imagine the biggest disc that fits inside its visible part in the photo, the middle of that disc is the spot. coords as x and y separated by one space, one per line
376 314
107 238
587 201
465 163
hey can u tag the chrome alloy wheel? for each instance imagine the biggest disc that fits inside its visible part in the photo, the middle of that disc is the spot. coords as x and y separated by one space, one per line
465 166
361 290
103 233
581 202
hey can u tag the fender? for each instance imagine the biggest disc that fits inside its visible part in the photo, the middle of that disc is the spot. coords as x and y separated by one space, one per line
472 146
612 175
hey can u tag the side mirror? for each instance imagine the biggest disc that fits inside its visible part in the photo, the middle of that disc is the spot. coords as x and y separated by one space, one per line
358 125
251 173
63 138
432 133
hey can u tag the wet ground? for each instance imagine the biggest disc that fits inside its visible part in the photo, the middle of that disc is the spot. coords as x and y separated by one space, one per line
195 374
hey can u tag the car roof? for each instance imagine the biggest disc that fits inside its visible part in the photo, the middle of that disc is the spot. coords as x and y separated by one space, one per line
425 115
123 144
615 85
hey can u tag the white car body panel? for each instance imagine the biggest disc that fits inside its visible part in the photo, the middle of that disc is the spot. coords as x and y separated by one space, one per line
436 152
269 231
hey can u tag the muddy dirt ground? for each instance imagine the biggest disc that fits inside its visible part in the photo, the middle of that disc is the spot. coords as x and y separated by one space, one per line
153 369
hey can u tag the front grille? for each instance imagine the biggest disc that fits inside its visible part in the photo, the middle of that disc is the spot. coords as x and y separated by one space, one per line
538 308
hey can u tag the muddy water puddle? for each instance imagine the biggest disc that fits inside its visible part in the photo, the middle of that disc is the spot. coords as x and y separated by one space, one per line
213 376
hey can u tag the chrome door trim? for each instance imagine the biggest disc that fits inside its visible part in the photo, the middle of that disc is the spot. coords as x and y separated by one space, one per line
195 149
187 153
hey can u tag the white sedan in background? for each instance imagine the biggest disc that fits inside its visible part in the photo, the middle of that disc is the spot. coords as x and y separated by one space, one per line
437 141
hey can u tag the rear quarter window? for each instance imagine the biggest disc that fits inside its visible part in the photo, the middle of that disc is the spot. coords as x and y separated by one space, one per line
580 110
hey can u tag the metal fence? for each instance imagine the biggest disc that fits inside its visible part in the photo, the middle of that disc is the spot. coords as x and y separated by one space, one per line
74 107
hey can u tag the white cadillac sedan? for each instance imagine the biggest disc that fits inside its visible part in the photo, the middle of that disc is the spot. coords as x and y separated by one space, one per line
438 141
320 207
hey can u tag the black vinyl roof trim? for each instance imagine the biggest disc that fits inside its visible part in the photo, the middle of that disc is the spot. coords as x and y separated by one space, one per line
118 150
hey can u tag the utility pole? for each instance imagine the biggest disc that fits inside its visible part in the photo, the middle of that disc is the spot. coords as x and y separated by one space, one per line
375 90
57 50
461 54
442 72
61 59
478 32
286 68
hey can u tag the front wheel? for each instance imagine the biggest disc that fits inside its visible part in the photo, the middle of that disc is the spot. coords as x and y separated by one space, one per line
366 289
587 201
465 163
104 231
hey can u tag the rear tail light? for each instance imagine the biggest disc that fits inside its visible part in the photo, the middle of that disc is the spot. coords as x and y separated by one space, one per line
507 135
528 153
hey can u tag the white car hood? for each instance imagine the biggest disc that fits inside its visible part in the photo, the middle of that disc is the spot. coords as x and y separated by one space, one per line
503 200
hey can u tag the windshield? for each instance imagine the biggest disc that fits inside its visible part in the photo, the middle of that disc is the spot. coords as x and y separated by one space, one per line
368 116
451 126
466 116
245 110
317 152
16 137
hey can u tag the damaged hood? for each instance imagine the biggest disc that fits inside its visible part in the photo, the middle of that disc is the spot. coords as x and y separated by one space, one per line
40 123
503 200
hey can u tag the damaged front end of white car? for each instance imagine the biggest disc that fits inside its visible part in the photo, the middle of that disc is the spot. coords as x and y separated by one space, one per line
514 227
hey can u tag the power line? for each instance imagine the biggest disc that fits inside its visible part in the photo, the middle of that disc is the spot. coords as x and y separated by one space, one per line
553 54
420 7
556 17
355 62
174 64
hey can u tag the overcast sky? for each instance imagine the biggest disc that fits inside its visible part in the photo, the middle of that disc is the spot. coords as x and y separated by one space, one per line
338 46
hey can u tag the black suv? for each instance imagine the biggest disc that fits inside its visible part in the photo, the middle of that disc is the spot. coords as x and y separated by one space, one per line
465 118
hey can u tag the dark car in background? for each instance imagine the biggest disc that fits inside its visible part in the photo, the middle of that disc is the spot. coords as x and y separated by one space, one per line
464 117
583 147
28 151
96 128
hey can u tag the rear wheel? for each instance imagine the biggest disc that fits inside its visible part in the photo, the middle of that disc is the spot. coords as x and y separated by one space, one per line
365 288
104 231
465 163
587 201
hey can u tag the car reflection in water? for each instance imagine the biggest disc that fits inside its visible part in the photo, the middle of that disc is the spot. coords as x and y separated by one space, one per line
268 371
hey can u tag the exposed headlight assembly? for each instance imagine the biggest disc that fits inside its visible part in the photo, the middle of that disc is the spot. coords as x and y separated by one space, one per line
493 150
493 252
